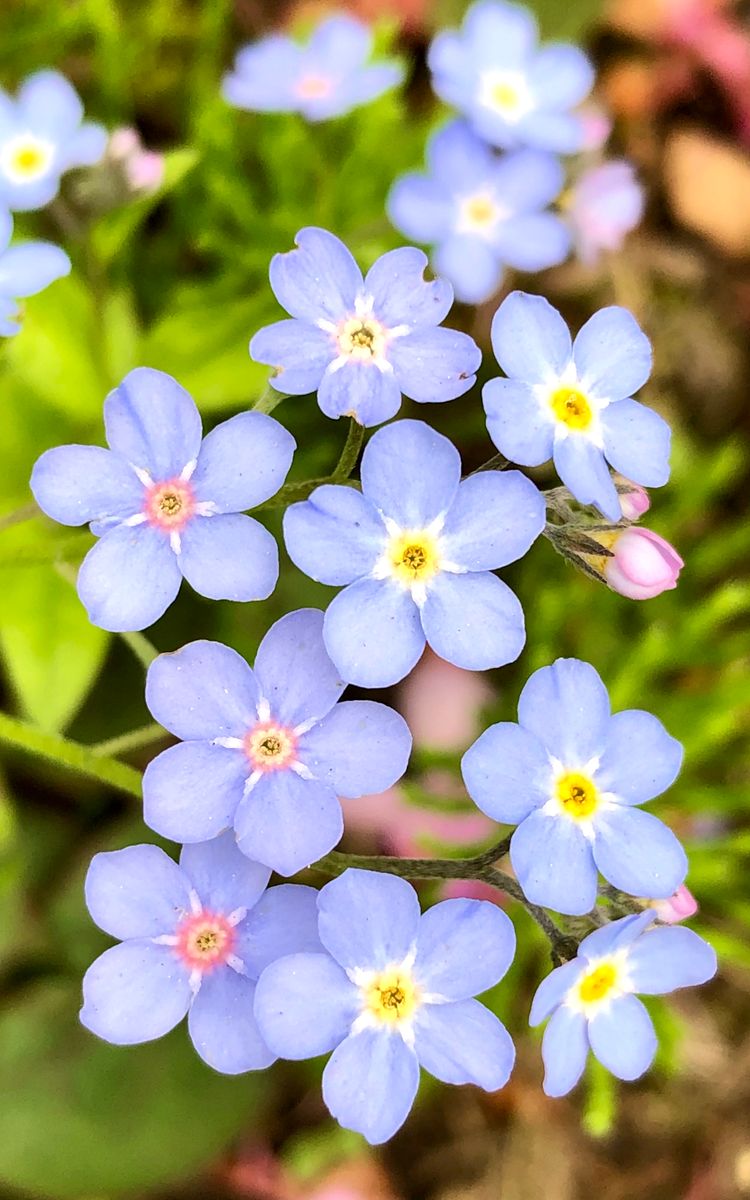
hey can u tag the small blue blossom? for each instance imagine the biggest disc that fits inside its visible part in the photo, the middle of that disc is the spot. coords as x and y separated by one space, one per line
481 211
24 271
269 750
42 135
570 775
572 401
592 1001
417 548
362 342
392 991
165 504
326 78
194 939
604 204
512 92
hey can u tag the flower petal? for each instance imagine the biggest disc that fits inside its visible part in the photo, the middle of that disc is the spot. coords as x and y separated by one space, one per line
78 484
533 241
138 892
360 748
338 40
318 280
205 690
284 921
559 132
222 1024
663 960
640 760
229 557
298 351
507 772
222 875
464 1042
554 864
243 462
637 853
565 1048
305 1005
518 425
458 159
153 423
191 791
464 947
400 293
288 822
566 706
359 390
128 579
367 919
85 148
373 633
560 76
473 621
264 75
636 442
419 208
411 473
370 1083
134 992
530 339
472 265
495 518
527 179
50 104
335 536
615 935
612 354
294 670
28 269
582 468
622 1037
435 365
553 989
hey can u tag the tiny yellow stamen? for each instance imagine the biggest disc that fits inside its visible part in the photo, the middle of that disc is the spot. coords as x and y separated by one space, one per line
170 504
205 942
571 406
597 984
391 996
577 794
413 556
361 339
480 211
27 160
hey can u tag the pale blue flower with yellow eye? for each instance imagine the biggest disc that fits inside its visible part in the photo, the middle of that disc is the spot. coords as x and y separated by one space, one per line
25 269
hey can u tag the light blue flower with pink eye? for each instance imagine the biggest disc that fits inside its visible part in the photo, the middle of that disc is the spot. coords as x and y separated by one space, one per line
166 503
25 269
592 1002
42 135
572 775
511 91
266 751
416 550
362 342
571 401
481 211
604 204
193 940
391 991
327 77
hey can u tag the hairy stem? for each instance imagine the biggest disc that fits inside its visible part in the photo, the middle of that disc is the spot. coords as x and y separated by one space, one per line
268 401
72 755
350 453
292 492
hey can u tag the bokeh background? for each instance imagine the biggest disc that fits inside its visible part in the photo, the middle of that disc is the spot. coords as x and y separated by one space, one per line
176 278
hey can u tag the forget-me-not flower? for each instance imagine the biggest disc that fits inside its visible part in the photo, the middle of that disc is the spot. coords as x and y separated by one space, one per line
194 939
42 135
571 776
395 991
417 548
481 211
362 342
326 78
572 401
25 269
268 750
592 1001
602 207
166 504
512 92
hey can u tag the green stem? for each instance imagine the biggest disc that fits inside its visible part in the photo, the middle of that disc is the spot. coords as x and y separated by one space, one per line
350 453
125 742
269 400
290 493
26 512
141 647
72 755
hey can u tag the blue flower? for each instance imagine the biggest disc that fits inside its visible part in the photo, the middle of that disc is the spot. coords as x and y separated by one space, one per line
361 343
481 211
604 204
41 137
393 992
24 271
267 750
166 505
417 549
512 93
195 938
326 78
572 402
570 775
592 1000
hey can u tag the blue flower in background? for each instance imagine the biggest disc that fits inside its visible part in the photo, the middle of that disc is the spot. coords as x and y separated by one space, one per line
393 992
165 504
326 78
417 548
573 401
592 1004
42 135
570 775
481 211
195 937
603 205
24 271
268 750
512 92
362 342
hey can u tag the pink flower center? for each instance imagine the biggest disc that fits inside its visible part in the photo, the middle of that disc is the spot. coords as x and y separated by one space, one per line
314 87
204 941
270 747
169 506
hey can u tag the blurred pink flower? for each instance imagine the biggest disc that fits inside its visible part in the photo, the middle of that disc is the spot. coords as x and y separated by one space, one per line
717 39
677 908
634 503
143 169
406 830
604 205
597 125
643 564
442 703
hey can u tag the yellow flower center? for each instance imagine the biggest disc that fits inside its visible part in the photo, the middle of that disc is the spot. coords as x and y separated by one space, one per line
361 339
170 504
26 157
507 92
571 406
391 996
597 983
413 556
270 747
577 794
478 213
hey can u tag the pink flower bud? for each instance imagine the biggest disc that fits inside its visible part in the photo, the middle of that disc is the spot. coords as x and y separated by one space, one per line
123 142
604 205
145 171
643 564
677 908
635 503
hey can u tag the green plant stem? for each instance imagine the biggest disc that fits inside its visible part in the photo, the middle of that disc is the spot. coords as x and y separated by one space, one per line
72 755
125 742
26 512
350 453
290 493
141 647
269 400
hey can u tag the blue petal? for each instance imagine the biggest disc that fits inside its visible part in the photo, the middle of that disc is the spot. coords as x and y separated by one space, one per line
435 365
191 791
341 41
637 853
304 1005
373 633
368 919
229 557
464 947
295 672
362 86
152 422
28 269
205 690
411 473
560 76
134 992
360 390
319 280
419 208
6 226
360 749
533 241
223 877
640 760
567 706
458 159
527 179
507 773
504 34
612 354
582 468
519 426
473 621
85 148
77 484
264 76
615 935
636 442
138 892
554 864
284 921
565 1048
530 339
298 351
663 960
559 132
288 822
25 197
472 265
495 518
553 989
622 1037
453 72
128 579
49 104
336 536
400 293
222 1024
464 1043
370 1084
243 462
